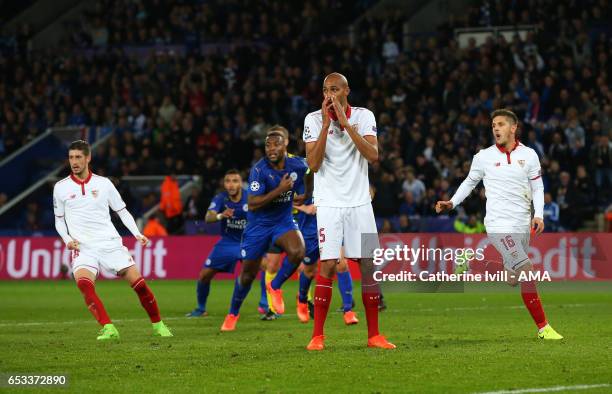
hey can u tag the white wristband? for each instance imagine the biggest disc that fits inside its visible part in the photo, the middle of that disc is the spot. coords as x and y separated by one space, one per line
219 216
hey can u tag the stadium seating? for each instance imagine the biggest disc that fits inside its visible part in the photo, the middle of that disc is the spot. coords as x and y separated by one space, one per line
198 100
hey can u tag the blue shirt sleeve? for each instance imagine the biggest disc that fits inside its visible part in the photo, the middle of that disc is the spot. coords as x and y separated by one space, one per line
257 182
217 203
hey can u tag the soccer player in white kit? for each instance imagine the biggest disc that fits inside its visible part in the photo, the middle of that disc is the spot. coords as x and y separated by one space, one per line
81 204
340 141
512 179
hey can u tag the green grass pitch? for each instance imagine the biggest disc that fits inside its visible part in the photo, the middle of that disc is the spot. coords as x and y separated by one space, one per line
475 341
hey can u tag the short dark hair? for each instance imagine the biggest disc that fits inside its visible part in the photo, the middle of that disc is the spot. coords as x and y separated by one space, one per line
232 171
81 145
505 112
278 130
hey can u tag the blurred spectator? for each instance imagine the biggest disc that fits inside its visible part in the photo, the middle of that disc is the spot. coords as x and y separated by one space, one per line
469 225
386 226
385 201
413 185
409 207
3 199
147 203
154 227
171 204
406 225
551 214
601 163
565 198
390 50
194 206
431 97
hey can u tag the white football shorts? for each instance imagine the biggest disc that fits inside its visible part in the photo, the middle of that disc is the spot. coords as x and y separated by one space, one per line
513 246
351 227
110 255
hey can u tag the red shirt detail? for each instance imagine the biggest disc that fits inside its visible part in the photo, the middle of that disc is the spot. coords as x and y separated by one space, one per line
347 112
82 183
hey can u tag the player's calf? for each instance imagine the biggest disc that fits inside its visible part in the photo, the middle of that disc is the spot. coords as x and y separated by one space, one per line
242 286
248 273
147 299
370 295
531 299
328 268
85 283
202 290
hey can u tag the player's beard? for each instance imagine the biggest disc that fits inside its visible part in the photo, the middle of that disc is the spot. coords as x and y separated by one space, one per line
80 173
275 160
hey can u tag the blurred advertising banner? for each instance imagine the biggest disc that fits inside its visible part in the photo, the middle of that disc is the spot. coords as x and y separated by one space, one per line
564 256
163 258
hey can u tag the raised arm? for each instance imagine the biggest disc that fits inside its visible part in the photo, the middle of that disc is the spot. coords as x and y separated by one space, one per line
315 138
213 215
366 144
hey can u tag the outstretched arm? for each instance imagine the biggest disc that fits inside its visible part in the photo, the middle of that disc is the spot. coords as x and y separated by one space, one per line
469 183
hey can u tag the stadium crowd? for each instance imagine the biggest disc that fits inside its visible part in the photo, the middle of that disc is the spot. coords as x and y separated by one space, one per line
204 113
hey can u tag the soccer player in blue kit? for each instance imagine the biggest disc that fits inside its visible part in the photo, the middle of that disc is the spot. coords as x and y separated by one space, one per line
272 183
230 208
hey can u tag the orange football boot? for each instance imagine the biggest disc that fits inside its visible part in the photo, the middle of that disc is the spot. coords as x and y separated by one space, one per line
302 311
316 343
350 318
277 299
381 342
229 324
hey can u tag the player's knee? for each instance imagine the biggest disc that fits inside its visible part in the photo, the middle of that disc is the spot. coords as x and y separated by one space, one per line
249 272
296 256
328 268
512 279
246 278
206 276
309 271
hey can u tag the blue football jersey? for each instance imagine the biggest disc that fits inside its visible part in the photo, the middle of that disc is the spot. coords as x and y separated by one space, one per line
263 179
231 228
306 223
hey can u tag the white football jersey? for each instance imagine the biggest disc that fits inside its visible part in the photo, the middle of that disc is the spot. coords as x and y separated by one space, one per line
84 205
342 180
506 177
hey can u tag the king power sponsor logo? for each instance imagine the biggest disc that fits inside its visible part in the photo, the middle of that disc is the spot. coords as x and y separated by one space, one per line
23 258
